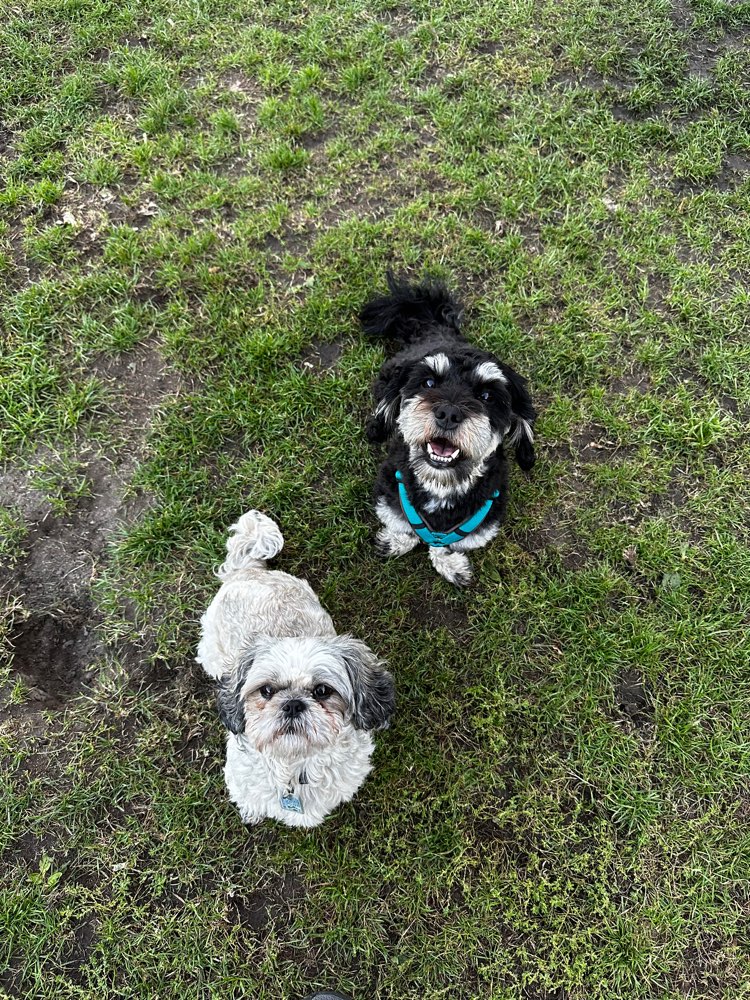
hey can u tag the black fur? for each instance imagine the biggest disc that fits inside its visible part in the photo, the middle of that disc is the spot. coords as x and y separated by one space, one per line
373 693
228 691
407 312
521 406
427 320
443 519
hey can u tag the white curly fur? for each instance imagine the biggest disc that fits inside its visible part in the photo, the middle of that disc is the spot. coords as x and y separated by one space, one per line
266 630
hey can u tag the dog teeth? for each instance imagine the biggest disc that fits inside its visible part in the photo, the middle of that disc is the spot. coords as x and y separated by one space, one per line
445 459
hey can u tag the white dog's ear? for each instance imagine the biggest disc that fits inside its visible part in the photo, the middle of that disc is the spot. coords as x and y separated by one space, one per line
373 694
229 692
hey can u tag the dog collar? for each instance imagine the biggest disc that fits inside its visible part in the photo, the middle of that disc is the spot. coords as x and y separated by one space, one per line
439 539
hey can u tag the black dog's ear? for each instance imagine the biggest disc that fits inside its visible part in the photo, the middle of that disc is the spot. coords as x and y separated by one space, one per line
229 690
373 694
521 435
386 393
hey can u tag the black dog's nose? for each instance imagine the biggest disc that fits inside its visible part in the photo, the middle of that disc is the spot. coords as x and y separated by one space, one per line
447 417
294 708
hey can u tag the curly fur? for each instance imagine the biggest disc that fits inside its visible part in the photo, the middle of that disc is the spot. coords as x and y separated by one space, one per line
299 702
447 410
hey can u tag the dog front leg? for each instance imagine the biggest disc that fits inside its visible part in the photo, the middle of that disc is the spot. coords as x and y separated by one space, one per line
455 567
390 543
395 538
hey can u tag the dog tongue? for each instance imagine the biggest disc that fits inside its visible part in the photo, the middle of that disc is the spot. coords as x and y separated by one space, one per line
442 447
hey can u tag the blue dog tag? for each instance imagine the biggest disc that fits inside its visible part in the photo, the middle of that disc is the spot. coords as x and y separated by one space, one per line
291 802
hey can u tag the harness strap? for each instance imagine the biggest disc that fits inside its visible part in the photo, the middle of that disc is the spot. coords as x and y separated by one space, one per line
439 539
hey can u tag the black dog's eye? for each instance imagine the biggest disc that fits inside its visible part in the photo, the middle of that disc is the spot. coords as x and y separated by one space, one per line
321 692
266 692
429 383
484 395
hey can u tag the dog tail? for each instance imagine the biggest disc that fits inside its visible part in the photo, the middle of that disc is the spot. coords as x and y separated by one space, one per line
408 312
252 541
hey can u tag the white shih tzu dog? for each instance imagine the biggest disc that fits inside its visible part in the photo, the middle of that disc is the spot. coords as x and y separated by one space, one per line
299 701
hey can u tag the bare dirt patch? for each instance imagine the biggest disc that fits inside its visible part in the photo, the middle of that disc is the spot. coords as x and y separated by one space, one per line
321 355
56 653
733 174
82 942
429 610
55 645
88 213
266 904
555 537
238 82
632 699
704 54
593 446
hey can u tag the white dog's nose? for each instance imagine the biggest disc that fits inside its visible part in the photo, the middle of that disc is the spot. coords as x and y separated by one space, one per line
293 708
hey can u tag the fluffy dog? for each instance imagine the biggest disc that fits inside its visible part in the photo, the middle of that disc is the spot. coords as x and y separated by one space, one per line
299 701
448 409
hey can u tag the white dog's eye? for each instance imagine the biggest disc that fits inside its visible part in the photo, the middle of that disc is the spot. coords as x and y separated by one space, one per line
484 395
429 383
266 692
321 692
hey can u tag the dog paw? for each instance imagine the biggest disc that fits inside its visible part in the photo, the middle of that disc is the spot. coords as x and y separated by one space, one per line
382 549
390 544
454 567
459 578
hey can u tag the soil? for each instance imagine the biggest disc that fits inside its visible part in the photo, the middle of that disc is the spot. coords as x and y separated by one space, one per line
256 909
632 700
56 654
55 643
321 355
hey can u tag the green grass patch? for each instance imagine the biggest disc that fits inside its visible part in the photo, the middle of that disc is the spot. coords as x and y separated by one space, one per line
197 198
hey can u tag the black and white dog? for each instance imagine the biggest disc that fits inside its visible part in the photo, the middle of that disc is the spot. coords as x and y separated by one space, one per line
447 408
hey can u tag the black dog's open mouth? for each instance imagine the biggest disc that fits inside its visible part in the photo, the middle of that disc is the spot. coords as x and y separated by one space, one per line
442 453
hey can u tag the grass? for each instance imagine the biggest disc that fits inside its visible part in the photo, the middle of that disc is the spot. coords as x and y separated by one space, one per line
197 198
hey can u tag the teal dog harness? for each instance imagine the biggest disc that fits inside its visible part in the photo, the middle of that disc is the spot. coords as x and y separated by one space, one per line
438 539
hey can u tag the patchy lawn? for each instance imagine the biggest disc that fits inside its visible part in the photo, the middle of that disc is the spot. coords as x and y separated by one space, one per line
197 198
